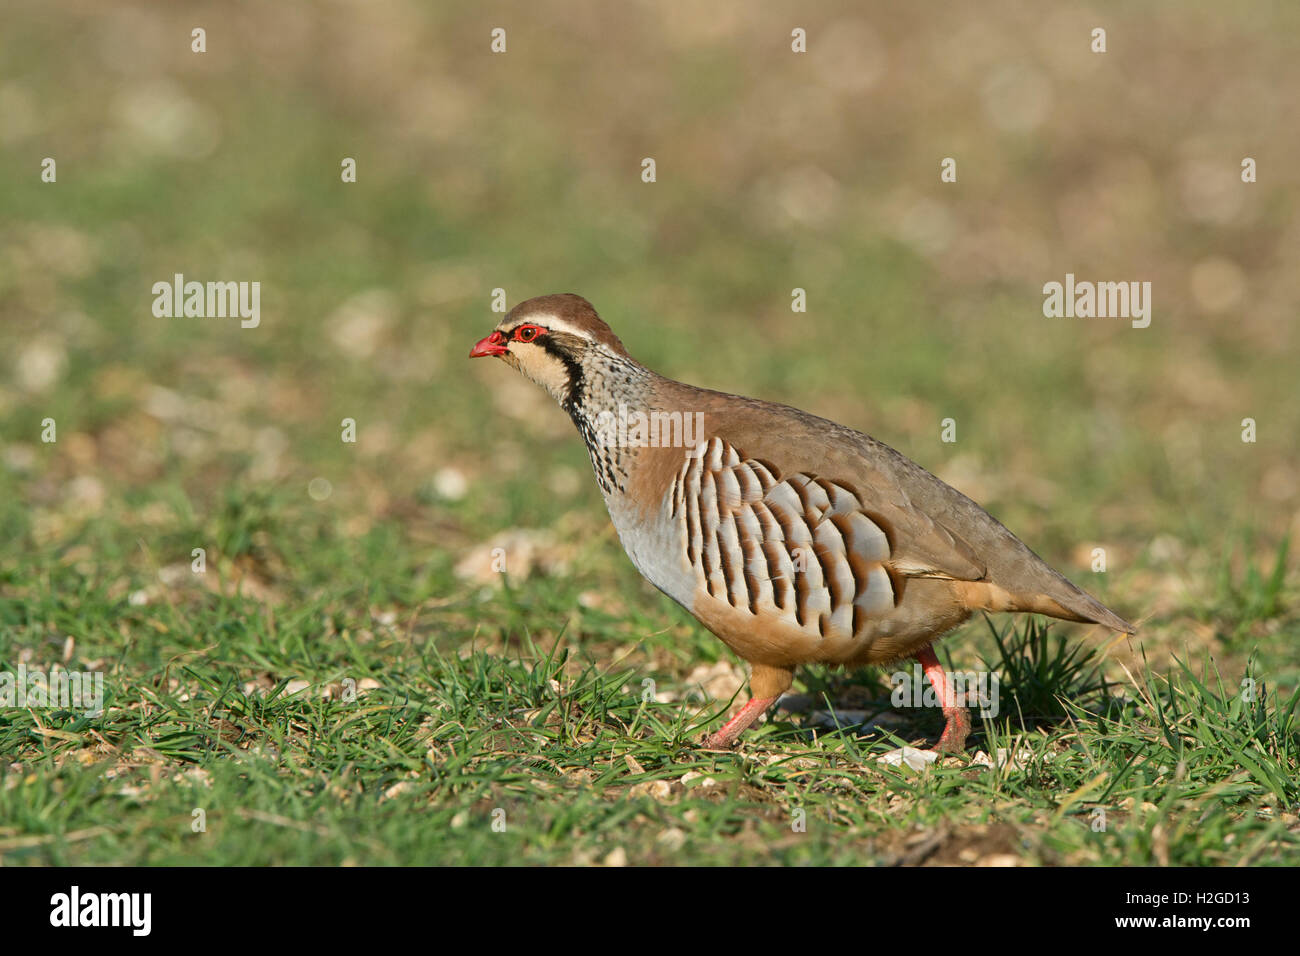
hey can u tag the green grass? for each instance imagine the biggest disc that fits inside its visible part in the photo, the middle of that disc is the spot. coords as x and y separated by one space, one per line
526 692
460 716
1253 596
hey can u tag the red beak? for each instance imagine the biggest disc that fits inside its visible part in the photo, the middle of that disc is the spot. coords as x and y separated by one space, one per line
494 344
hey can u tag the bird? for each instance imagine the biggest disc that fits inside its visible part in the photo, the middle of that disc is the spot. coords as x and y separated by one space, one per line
793 539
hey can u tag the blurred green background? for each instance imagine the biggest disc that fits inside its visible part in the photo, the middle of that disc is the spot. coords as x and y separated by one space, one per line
521 171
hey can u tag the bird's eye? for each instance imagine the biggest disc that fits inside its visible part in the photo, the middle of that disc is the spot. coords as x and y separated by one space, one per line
527 333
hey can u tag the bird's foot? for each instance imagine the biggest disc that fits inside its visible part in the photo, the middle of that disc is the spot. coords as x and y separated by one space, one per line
732 729
953 739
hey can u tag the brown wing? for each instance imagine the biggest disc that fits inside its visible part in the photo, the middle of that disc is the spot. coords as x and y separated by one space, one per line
805 547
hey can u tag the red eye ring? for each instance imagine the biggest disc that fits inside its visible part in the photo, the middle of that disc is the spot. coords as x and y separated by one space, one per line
527 333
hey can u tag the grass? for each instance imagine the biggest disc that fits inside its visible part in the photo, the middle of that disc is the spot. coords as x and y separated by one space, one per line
348 681
1257 596
487 746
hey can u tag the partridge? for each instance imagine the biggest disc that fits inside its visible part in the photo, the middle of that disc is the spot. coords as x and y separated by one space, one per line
793 539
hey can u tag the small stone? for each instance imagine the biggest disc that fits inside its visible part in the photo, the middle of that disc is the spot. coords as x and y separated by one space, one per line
396 790
655 789
909 756
672 839
704 782
450 484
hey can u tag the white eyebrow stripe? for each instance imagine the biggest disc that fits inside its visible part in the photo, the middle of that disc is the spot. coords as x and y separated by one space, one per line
552 322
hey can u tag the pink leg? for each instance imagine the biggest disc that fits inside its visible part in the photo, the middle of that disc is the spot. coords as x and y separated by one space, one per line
953 740
733 728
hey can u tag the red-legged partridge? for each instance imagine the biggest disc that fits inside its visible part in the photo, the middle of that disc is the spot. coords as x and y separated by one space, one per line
791 538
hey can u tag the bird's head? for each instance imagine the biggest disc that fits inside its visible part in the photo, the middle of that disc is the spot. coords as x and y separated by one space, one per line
553 340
